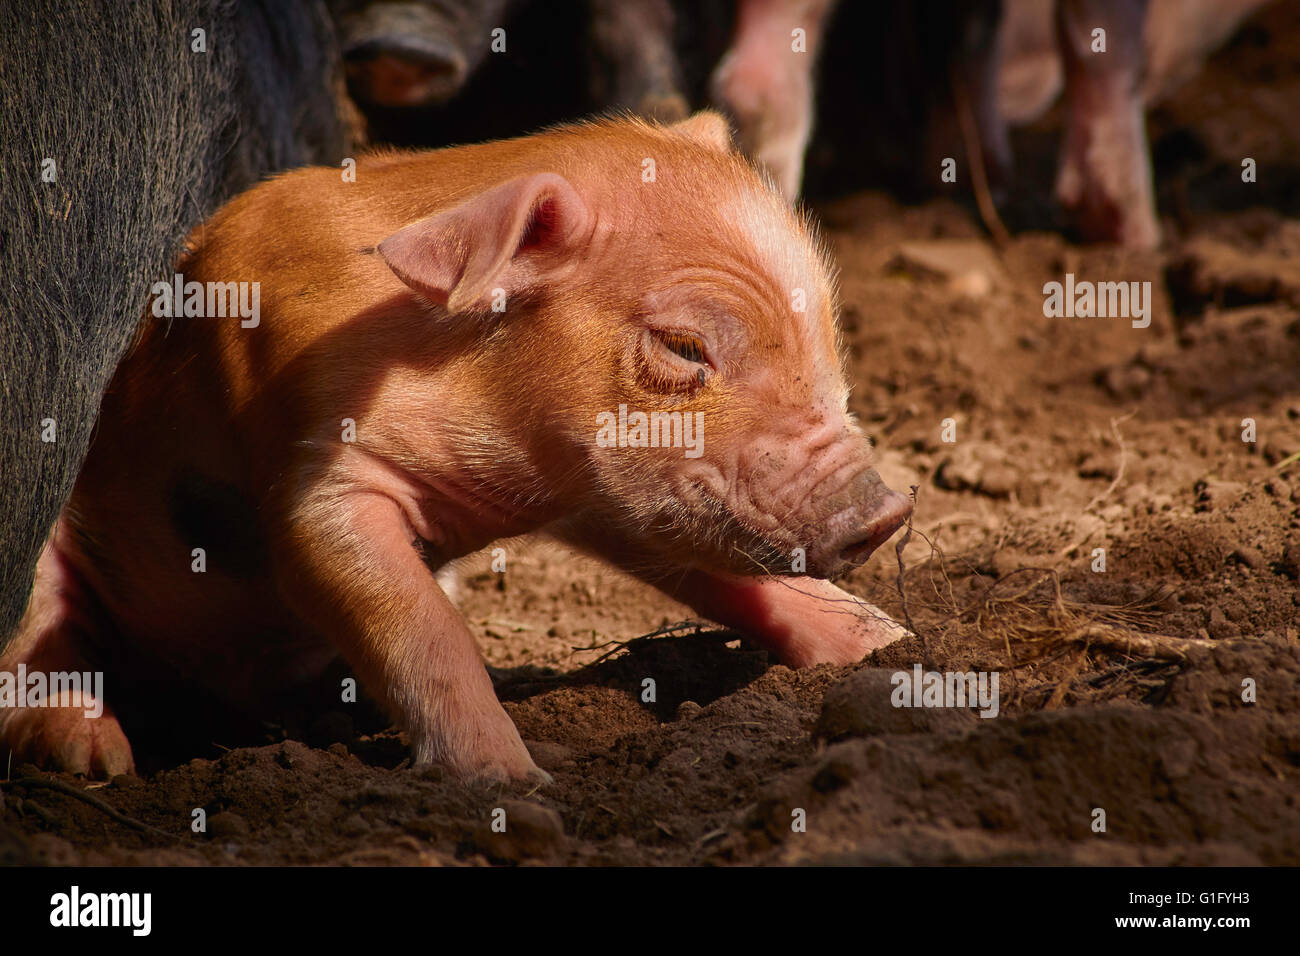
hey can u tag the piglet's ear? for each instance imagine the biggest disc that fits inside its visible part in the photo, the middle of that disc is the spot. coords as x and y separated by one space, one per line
507 237
706 128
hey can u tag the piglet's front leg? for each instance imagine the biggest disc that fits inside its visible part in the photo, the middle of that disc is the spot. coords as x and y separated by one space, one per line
802 621
350 571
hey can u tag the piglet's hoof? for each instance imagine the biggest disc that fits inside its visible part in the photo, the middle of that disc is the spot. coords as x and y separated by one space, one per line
64 738
801 621
485 748
842 636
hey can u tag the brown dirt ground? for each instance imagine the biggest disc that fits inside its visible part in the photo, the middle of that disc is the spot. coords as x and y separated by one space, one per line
1073 434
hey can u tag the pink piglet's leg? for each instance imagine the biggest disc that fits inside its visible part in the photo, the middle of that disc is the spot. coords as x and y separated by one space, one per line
802 621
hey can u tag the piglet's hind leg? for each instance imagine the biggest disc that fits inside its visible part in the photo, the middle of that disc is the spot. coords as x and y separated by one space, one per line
75 733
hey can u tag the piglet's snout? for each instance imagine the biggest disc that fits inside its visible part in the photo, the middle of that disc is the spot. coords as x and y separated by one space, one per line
873 513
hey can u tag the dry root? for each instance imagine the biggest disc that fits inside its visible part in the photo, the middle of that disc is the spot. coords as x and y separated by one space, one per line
1030 628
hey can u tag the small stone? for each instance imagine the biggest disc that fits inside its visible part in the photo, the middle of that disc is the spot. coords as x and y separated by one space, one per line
688 710
977 466
1213 494
999 810
1248 556
1123 381
1220 628
998 481
227 826
549 755
531 831
1111 513
1290 562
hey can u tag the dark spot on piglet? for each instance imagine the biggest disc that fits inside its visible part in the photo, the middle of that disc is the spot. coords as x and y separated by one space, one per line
216 516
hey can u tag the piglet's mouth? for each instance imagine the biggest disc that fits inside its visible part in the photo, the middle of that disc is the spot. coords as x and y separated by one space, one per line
887 515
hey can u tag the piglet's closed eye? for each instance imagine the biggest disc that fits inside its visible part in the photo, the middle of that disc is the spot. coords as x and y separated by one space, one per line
502 238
